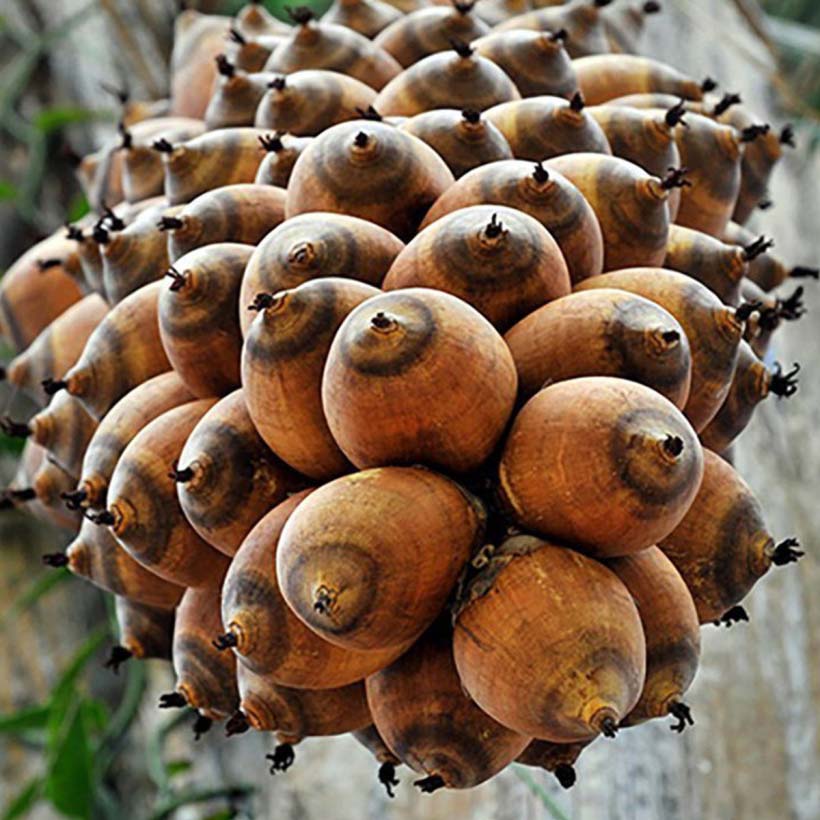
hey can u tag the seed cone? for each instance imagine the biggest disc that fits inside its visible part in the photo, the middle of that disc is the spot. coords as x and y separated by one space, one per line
236 96
269 639
49 482
719 266
631 206
537 62
125 419
602 333
57 347
233 213
295 714
205 677
34 292
752 383
542 127
333 48
428 31
145 631
550 643
604 77
712 154
368 17
313 246
765 269
90 258
308 102
254 20
499 260
421 710
381 390
249 54
645 138
722 545
100 176
558 758
353 551
449 79
713 330
624 24
199 306
370 170
227 479
142 172
228 156
763 323
671 629
283 360
142 503
548 196
463 139
123 351
96 555
282 152
641 460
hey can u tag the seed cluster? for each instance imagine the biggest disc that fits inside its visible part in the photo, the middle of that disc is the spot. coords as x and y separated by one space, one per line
390 386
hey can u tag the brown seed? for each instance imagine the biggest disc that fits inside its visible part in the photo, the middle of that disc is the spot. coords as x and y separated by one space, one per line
233 213
205 677
430 30
308 102
100 176
57 347
312 246
370 170
602 333
267 637
671 629
122 422
368 17
295 714
236 96
558 758
97 556
766 269
123 351
334 48
382 387
550 643
463 139
421 710
604 77
537 62
719 266
495 12
143 508
624 24
144 631
282 151
449 79
249 54
630 204
283 360
642 465
500 260
713 329
368 560
254 20
723 546
227 478
548 196
49 483
200 307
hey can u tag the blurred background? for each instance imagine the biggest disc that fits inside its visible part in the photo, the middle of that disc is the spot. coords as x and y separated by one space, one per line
78 741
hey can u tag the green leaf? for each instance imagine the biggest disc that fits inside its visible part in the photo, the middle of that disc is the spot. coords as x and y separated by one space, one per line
77 208
12 446
32 718
69 782
25 800
175 767
7 191
54 119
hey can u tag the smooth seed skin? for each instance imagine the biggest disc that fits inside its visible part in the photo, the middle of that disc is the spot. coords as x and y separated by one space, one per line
368 17
145 631
605 464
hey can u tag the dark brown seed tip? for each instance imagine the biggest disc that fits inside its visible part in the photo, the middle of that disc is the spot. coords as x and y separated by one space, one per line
99 234
462 7
237 36
105 518
786 553
237 724
801 272
24 494
674 116
560 36
746 309
708 85
651 7
787 136
271 142
282 758
670 336
120 94
783 384
178 279
676 178
52 386
608 727
180 476
462 48
752 132
577 102
494 227
170 223
301 15
428 785
224 641
126 137
361 139
116 658
74 498
683 714
732 616
163 146
758 247
765 204
172 700
224 66
387 777
262 301
381 321
565 775
791 308
114 222
47 264
75 233
369 113
725 103
3 374
14 429
601 3
55 559
673 445
201 725
471 115
540 174
278 83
